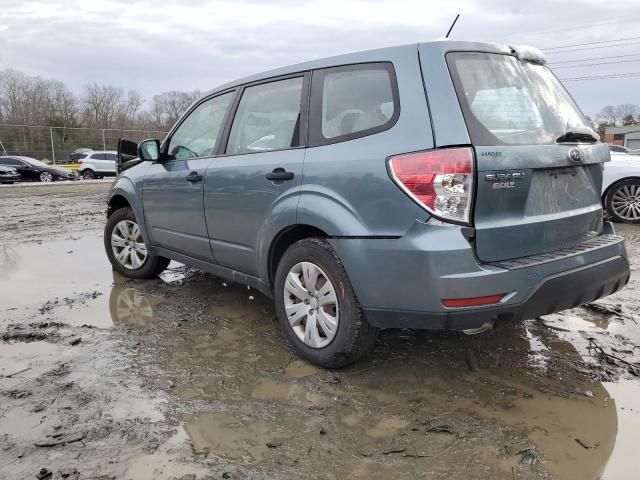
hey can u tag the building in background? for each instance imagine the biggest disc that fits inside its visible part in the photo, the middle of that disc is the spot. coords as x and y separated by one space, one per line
627 136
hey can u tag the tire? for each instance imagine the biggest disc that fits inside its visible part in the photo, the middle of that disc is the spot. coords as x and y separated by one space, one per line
46 177
354 337
622 201
88 174
150 267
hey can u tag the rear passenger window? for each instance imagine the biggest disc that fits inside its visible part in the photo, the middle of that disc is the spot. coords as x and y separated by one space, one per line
352 101
268 117
98 156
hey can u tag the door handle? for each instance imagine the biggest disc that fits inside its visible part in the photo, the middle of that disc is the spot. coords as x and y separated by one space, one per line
194 177
279 174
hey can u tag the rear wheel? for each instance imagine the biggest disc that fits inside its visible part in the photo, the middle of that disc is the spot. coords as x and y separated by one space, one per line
317 307
88 175
623 201
126 249
45 177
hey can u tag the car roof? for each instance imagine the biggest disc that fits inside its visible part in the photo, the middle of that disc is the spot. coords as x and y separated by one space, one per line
374 55
20 157
100 151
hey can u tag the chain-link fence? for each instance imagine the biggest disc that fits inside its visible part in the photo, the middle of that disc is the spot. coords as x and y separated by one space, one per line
56 144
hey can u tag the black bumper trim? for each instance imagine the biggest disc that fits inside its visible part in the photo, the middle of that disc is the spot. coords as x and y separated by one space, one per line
555 293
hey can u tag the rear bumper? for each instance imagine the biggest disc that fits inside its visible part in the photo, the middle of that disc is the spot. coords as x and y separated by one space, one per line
402 284
556 293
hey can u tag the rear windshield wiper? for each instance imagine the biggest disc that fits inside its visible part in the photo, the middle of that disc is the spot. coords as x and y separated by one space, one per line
578 134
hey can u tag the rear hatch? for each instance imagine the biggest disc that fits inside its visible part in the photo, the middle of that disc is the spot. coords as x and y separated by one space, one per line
538 164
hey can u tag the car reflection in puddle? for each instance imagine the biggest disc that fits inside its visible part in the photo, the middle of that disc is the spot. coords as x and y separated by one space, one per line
129 306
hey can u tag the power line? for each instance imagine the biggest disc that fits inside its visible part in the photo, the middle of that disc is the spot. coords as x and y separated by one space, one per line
593 48
595 64
596 58
601 77
574 27
590 43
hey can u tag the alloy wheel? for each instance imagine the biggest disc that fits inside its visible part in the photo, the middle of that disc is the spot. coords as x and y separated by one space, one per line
626 202
46 177
311 304
128 245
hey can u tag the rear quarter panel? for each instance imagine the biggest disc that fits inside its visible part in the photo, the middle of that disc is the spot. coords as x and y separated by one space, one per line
346 189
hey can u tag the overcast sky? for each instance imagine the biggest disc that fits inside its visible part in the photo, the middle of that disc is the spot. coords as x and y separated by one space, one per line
183 45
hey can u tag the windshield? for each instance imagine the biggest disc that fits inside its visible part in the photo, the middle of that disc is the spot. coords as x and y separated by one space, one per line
506 101
33 161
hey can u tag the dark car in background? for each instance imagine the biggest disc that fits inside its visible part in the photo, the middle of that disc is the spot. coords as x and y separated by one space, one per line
9 174
35 170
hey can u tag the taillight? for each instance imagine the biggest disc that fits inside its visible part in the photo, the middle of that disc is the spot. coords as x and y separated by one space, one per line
80 162
441 181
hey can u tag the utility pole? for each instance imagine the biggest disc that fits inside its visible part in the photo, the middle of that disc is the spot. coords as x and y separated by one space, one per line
53 152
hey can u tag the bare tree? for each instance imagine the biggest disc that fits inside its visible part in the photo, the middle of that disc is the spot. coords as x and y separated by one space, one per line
625 110
100 105
130 110
168 106
609 115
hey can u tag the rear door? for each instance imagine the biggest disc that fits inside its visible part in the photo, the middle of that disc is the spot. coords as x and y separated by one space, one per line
255 183
539 166
109 167
98 160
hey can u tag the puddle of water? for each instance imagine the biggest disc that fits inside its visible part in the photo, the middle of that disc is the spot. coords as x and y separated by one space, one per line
233 436
168 461
290 393
37 357
624 461
75 285
387 426
72 269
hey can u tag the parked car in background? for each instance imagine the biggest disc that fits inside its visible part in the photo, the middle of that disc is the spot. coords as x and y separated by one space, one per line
35 170
621 186
618 149
434 186
8 174
97 164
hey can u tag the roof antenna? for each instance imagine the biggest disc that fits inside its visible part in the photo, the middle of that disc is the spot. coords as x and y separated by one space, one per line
452 25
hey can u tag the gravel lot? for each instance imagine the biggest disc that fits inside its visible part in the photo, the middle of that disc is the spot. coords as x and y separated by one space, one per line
190 377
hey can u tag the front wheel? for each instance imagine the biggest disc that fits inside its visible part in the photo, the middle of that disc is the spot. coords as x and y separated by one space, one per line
46 177
317 307
623 201
126 249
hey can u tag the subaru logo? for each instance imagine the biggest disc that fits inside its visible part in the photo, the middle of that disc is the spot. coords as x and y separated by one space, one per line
576 155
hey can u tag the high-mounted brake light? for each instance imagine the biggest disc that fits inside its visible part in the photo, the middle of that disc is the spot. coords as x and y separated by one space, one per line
441 181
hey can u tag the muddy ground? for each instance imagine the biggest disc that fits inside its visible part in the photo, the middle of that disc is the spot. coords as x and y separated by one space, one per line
190 377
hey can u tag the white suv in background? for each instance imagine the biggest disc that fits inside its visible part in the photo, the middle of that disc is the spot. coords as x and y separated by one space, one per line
97 164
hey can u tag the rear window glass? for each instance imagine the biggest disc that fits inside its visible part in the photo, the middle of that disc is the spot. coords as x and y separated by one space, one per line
506 101
352 101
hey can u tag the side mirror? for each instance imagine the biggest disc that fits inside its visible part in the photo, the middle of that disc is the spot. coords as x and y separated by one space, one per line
149 150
